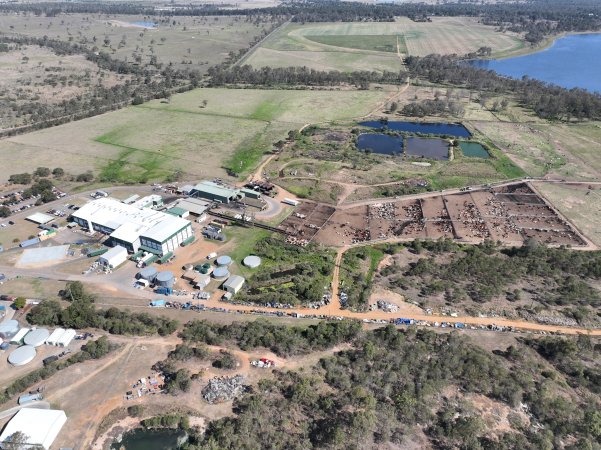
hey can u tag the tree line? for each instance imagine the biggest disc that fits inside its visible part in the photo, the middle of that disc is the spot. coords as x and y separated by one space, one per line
299 76
535 18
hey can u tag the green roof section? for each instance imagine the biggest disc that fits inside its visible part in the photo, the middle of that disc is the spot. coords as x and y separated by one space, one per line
165 257
188 241
98 252
136 255
176 211
151 260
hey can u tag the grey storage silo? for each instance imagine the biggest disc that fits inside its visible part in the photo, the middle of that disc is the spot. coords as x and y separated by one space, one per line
8 329
164 279
147 273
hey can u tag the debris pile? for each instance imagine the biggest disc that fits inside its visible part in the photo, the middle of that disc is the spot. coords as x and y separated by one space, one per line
223 389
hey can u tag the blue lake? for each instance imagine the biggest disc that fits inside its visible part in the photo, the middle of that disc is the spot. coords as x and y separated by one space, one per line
572 61
449 129
380 143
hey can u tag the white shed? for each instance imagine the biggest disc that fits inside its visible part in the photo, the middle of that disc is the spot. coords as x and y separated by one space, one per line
66 338
114 257
55 336
17 339
41 426
233 284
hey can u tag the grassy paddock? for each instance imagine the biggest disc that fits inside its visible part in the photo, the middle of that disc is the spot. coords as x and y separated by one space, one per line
373 46
149 142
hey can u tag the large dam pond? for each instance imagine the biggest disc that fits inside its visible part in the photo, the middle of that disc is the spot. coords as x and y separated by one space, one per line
447 129
380 143
572 61
141 439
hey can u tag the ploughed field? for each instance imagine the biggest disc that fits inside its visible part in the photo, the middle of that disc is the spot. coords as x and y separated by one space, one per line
511 214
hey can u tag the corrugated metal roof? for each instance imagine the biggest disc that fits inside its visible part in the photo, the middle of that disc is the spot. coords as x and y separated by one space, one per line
215 189
234 282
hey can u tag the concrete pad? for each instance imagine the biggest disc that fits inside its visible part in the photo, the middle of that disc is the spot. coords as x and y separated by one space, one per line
43 256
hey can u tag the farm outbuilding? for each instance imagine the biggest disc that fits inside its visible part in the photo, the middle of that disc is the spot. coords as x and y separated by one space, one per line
41 426
8 329
40 218
215 192
201 281
114 257
23 355
233 284
36 337
61 337
17 339
195 206
178 212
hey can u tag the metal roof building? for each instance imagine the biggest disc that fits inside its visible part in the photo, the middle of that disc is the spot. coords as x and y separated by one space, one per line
41 426
17 339
61 337
40 218
134 228
36 337
234 284
216 192
114 257
23 355
193 205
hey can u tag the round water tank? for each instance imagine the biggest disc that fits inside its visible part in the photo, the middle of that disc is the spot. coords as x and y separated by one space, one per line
206 268
221 273
9 328
22 355
223 261
36 337
147 273
164 279
252 261
187 267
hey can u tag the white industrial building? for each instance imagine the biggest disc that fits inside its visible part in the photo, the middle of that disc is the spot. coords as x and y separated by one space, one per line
17 339
114 257
61 337
41 426
134 228
233 284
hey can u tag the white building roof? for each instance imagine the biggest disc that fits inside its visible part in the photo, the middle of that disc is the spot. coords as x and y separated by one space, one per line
113 214
55 336
129 232
194 205
164 230
234 282
67 337
40 218
116 253
20 335
41 426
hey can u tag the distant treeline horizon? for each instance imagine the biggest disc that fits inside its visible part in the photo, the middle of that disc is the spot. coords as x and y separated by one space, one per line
537 19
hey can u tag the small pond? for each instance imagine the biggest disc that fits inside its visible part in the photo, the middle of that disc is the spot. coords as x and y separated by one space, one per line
473 150
427 148
380 143
145 24
449 129
142 439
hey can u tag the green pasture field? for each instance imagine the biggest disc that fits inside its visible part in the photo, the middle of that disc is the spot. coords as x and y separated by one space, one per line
372 45
150 142
377 42
186 42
